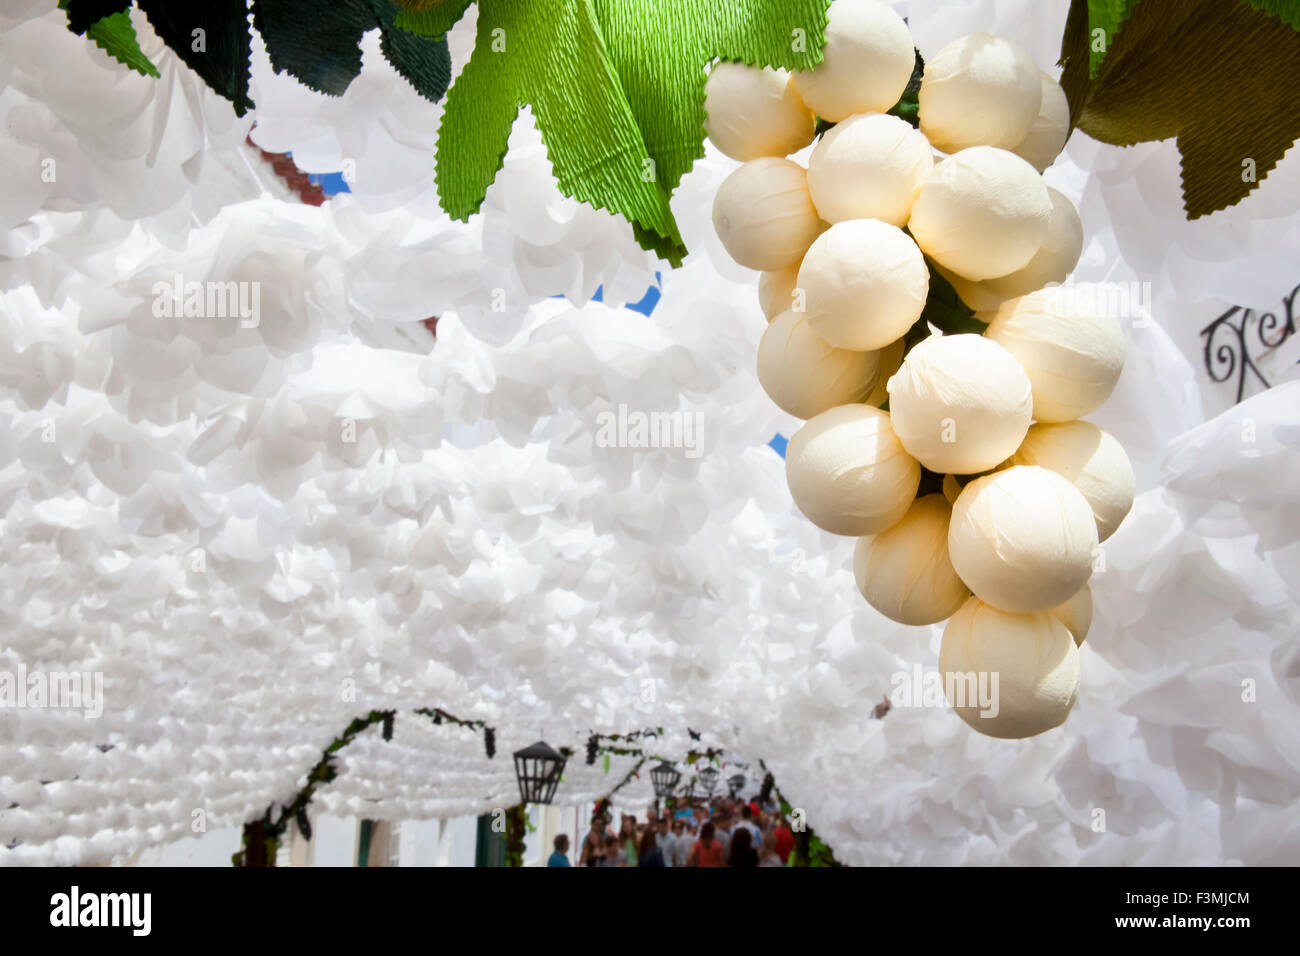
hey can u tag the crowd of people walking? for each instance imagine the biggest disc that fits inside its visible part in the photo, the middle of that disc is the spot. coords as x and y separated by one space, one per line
714 833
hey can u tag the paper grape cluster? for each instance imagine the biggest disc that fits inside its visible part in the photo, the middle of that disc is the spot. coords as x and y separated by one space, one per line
960 463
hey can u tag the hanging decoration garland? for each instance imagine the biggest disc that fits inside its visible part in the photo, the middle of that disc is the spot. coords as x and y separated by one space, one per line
921 445
261 837
617 86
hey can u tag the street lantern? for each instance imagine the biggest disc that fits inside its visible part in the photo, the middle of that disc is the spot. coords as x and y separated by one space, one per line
735 784
538 770
709 779
664 777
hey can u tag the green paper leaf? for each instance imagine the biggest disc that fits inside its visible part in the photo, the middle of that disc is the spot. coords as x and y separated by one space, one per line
320 44
554 59
1288 11
1233 118
423 60
660 51
316 43
108 24
432 21
1104 19
616 88
908 106
115 35
606 763
212 38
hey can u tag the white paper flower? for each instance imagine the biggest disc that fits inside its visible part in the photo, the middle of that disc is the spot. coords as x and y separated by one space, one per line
904 571
1008 675
959 406
848 473
764 216
752 112
868 59
1022 539
979 90
1072 352
983 213
1089 458
869 166
864 284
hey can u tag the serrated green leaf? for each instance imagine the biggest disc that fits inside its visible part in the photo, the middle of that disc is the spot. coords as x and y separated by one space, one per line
1104 20
660 51
1288 11
212 38
432 21
616 88
115 35
423 60
319 44
1233 119
552 58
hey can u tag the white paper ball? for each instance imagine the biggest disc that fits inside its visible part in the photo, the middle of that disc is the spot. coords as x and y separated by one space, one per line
1050 128
870 166
891 360
848 473
868 59
1032 658
1054 260
958 406
904 572
1072 353
776 290
979 90
764 215
864 284
1022 539
755 111
1089 458
983 213
805 375
1076 614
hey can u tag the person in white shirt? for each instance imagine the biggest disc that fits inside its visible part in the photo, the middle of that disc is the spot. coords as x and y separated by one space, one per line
681 843
664 839
747 821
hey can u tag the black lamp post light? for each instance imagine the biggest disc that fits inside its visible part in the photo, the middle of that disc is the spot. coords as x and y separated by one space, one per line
709 779
538 769
735 784
665 778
